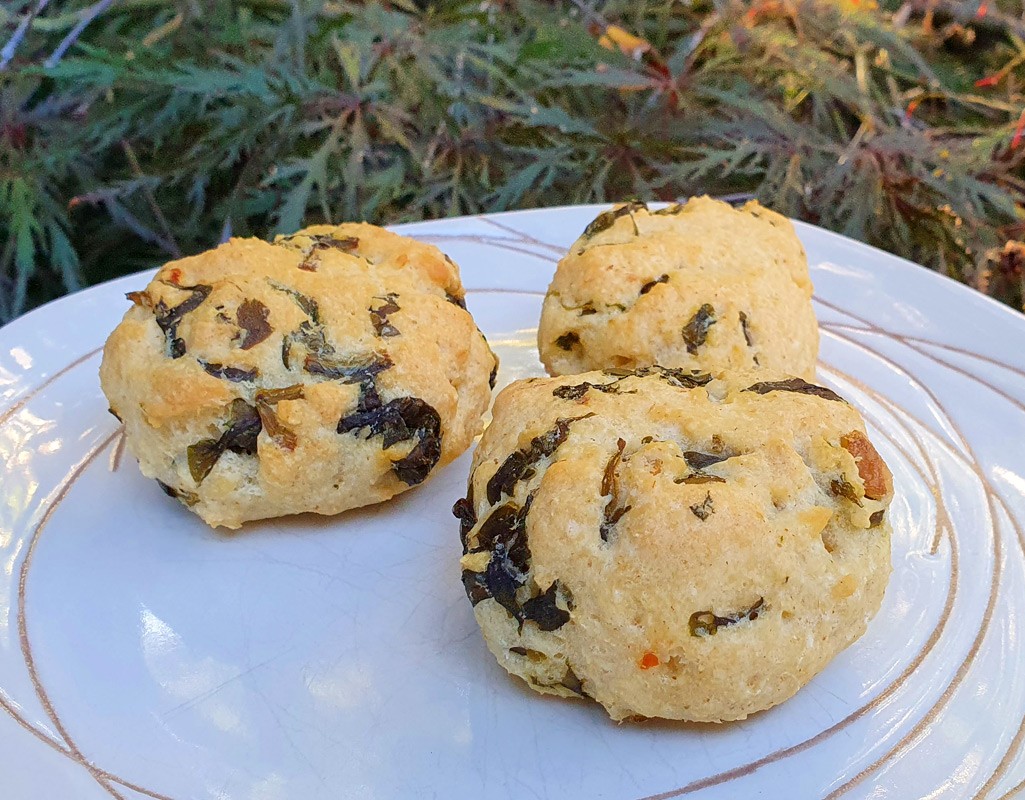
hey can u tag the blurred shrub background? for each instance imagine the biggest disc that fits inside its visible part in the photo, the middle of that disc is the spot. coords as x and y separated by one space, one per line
135 131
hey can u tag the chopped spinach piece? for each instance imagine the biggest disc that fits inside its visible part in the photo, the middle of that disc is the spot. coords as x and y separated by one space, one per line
663 278
544 610
379 315
464 511
841 487
243 429
311 336
698 477
399 420
493 376
504 534
568 340
577 391
680 378
456 300
202 457
271 396
613 511
188 498
307 304
266 399
244 426
797 385
705 508
747 331
474 586
325 241
319 241
695 332
233 374
281 435
518 464
354 371
707 623
607 219
699 461
168 319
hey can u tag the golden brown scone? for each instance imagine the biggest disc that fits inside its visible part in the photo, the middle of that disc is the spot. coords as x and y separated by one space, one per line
331 369
673 545
697 286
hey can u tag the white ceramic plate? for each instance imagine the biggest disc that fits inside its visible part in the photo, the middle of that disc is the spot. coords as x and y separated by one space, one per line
143 655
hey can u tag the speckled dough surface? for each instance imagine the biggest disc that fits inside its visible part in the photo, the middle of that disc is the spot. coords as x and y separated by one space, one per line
331 369
698 286
673 545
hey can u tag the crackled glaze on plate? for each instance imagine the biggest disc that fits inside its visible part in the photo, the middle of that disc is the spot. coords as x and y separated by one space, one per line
144 655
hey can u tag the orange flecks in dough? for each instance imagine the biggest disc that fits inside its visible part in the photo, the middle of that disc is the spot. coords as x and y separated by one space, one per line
649 660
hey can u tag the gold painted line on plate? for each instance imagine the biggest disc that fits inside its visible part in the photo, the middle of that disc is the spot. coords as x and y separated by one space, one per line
118 451
19 404
911 344
993 500
43 737
525 236
908 339
504 244
102 777
915 343
988 359
51 504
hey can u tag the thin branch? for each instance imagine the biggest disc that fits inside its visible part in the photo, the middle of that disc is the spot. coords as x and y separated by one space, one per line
88 15
19 33
151 200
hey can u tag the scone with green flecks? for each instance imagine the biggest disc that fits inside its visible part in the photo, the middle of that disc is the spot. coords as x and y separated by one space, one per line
324 371
696 286
674 545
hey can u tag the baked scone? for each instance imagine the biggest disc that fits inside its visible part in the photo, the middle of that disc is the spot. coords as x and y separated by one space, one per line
331 369
673 545
696 286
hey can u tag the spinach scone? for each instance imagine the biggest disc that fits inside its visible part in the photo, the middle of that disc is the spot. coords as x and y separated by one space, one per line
673 545
696 286
328 370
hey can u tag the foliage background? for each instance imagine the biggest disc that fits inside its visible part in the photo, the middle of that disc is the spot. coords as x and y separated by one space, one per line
134 131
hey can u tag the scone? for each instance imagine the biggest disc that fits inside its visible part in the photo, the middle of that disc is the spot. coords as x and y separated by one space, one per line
697 286
331 369
673 545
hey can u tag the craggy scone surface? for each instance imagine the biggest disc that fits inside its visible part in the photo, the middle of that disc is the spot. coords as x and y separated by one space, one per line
331 369
673 545
699 286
